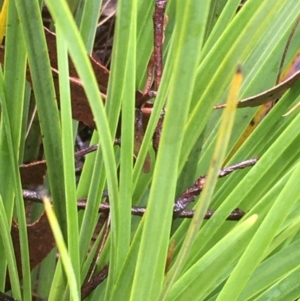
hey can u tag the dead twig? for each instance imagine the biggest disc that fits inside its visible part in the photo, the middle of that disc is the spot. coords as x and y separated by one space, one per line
155 65
94 282
102 242
191 193
104 207
182 202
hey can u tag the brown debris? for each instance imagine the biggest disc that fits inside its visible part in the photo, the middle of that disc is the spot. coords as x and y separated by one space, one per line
40 242
81 110
33 173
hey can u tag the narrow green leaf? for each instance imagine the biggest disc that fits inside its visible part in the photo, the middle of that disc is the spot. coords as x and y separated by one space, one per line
69 31
14 69
19 203
264 235
88 22
68 155
122 91
252 21
9 252
187 36
66 261
226 16
41 75
206 195
216 7
287 288
272 270
214 264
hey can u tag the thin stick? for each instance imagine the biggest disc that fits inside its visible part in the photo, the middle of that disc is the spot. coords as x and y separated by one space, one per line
136 210
159 22
191 193
100 248
155 64
236 215
95 281
183 201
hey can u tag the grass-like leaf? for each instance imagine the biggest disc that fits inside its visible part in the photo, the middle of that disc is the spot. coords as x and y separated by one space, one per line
204 43
9 252
216 164
68 155
65 259
40 69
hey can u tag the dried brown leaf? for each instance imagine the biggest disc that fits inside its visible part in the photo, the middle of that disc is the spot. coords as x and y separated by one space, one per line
33 173
40 242
268 95
81 110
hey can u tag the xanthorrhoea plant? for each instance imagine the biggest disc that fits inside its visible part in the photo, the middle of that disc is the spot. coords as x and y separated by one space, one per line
205 42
